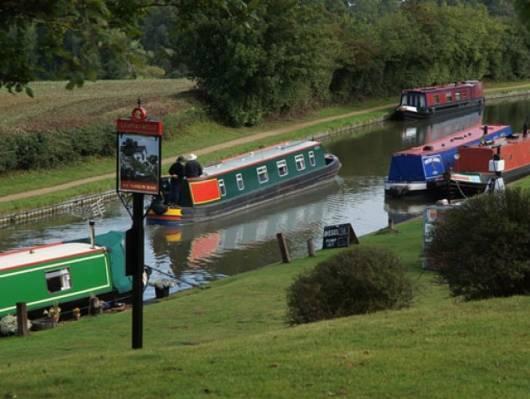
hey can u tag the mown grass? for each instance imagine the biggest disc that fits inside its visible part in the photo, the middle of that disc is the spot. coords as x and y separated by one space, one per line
490 86
55 107
232 341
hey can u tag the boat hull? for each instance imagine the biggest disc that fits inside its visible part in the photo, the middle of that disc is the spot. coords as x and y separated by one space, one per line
441 112
420 170
64 274
293 186
468 184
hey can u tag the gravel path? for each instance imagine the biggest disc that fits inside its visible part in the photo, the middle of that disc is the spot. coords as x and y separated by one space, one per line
207 150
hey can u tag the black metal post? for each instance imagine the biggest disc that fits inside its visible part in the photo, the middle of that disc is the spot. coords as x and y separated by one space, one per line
137 293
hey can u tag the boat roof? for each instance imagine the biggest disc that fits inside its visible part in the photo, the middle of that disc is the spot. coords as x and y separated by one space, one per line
453 140
427 89
44 253
513 139
261 155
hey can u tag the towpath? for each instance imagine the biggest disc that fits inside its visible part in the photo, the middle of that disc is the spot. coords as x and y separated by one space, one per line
202 151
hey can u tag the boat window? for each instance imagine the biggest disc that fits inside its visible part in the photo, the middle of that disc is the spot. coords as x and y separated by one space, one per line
449 97
240 182
312 160
58 280
422 101
300 162
458 96
282 168
263 175
404 99
222 187
436 99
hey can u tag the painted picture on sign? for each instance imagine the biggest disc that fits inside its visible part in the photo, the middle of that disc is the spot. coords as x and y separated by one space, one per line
139 163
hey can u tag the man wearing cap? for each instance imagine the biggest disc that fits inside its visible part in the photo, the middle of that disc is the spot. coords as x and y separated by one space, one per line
193 168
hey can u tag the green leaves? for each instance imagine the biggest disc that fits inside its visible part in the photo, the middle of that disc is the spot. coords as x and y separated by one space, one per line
63 36
262 58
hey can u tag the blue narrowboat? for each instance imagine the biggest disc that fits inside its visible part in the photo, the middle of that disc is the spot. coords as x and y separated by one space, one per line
419 169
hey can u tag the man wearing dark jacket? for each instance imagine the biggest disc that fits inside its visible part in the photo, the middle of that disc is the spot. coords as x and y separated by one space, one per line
176 170
193 168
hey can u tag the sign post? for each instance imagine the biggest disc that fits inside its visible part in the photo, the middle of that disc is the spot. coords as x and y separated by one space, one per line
138 172
339 235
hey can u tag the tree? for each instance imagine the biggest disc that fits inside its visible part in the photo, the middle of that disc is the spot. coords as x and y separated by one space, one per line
87 24
277 58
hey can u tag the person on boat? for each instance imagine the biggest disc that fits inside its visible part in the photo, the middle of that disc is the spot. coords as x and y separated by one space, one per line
193 168
176 170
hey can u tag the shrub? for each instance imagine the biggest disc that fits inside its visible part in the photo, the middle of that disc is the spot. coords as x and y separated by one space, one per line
482 248
53 148
358 281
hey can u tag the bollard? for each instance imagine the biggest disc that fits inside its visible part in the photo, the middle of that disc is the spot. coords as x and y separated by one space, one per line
22 319
310 248
283 248
94 306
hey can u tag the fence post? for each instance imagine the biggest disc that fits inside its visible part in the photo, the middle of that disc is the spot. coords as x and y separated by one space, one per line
310 247
22 319
286 258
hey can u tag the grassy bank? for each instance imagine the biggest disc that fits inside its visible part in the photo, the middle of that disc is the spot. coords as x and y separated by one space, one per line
231 341
187 125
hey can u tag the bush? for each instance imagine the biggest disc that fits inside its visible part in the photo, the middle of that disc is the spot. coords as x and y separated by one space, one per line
54 148
358 281
482 248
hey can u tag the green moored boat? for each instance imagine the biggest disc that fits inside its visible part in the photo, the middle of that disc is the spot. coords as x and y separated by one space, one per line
246 181
61 273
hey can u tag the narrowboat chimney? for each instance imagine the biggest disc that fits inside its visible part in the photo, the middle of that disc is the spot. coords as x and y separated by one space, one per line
92 234
525 128
485 130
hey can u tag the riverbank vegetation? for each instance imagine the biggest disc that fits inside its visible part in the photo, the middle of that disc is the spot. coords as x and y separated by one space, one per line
233 340
492 261
187 127
271 63
257 59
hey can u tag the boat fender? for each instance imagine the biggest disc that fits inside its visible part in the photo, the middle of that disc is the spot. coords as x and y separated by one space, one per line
158 206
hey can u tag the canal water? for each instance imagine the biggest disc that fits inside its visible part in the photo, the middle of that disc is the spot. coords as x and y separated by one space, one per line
246 241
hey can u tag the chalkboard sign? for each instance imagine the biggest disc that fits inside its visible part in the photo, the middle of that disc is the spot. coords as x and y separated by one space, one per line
339 235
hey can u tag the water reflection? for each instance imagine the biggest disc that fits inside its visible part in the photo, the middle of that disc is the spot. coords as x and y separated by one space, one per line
212 246
242 242
421 132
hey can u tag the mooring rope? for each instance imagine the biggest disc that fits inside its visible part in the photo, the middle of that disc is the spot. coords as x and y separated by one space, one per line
174 277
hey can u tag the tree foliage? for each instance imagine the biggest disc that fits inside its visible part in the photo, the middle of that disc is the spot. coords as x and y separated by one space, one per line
278 59
63 36
482 248
257 58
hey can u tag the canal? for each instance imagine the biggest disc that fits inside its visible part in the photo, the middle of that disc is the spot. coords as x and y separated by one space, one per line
196 253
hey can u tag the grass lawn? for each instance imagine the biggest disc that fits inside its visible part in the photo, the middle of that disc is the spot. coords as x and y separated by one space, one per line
231 341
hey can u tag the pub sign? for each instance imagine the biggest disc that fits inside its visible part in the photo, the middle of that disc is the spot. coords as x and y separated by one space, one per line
139 153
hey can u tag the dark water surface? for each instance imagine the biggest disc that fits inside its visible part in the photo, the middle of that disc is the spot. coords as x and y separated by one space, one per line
247 241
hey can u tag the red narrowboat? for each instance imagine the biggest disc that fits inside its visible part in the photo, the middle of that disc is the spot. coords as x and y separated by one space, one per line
438 101
475 168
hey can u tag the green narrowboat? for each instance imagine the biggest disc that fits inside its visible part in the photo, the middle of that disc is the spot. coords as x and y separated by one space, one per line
246 181
63 273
